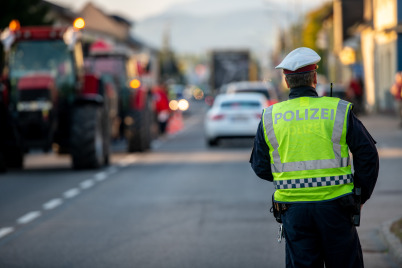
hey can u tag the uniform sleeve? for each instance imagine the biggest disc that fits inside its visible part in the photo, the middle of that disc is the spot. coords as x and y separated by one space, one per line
259 159
365 156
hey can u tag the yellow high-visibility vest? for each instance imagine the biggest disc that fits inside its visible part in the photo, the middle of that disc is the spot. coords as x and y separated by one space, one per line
306 137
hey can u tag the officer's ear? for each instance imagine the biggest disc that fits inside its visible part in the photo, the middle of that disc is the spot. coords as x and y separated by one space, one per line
286 80
315 78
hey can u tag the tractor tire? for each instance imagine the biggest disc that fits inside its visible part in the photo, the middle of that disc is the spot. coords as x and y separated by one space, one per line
134 134
147 124
87 137
139 134
212 142
3 167
106 126
14 159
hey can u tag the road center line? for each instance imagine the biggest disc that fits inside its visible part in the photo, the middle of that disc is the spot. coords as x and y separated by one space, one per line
30 216
5 231
87 184
52 204
101 176
71 193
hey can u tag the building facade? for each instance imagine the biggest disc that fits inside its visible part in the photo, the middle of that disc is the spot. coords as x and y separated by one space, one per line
379 45
370 44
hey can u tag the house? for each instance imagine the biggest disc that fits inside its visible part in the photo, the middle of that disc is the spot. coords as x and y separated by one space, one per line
99 25
366 35
59 15
379 44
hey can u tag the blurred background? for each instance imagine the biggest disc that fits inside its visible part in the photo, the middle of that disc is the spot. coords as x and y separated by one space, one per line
124 140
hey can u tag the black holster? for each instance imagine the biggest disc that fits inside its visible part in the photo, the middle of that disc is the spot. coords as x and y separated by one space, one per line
278 209
351 203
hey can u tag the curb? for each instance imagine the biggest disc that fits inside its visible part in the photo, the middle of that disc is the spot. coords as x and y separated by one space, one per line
393 242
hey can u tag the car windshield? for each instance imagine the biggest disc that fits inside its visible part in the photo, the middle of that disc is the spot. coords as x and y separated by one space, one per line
51 57
255 90
107 65
241 105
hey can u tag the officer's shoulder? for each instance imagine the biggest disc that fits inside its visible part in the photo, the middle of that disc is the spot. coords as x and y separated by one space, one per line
276 105
335 99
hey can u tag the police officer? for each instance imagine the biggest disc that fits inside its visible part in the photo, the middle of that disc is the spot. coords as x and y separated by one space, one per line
302 145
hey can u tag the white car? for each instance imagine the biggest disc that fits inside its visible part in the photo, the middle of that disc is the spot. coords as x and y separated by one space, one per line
266 88
233 116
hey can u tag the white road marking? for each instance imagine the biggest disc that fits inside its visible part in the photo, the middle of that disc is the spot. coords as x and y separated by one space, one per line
101 176
52 204
5 231
71 193
30 216
87 184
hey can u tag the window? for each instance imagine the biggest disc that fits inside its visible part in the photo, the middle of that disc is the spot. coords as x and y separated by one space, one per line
241 105
50 57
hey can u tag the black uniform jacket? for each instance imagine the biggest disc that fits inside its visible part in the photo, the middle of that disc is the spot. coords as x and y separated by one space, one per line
359 140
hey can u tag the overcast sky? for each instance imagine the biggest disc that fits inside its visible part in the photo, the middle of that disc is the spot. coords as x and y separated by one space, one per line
140 9
131 9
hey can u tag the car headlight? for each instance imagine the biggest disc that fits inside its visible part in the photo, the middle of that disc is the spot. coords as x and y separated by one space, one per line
183 105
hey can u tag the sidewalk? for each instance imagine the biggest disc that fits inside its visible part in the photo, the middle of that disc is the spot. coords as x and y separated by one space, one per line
380 247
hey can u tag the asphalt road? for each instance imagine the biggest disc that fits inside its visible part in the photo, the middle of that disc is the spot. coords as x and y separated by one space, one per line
180 205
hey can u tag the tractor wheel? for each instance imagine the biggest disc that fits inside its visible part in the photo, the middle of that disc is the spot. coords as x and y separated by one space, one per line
147 124
3 167
87 140
145 131
134 133
212 142
14 158
139 134
106 126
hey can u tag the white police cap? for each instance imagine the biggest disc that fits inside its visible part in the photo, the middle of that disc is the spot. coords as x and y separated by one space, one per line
299 58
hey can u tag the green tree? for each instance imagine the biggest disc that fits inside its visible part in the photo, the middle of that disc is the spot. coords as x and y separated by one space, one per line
296 36
312 26
28 12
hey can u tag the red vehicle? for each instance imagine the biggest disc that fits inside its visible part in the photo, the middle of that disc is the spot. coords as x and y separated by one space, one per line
135 104
49 101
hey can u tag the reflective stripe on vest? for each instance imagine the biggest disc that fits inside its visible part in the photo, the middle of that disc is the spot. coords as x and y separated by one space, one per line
313 182
338 161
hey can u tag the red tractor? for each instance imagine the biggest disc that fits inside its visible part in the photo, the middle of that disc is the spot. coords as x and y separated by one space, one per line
135 117
49 101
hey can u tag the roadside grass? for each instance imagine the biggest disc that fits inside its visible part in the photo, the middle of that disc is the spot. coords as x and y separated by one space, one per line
396 228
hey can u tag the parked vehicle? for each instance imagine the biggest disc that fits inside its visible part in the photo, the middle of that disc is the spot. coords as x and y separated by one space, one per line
265 88
49 99
233 116
230 66
135 105
3 119
179 98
